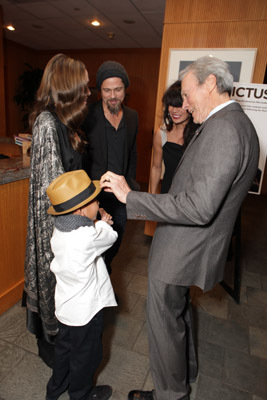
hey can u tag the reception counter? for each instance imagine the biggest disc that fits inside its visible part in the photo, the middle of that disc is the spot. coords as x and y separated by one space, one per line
14 186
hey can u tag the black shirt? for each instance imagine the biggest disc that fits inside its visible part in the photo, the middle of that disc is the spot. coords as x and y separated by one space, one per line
115 141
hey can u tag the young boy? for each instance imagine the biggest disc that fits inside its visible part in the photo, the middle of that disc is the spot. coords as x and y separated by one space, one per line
83 286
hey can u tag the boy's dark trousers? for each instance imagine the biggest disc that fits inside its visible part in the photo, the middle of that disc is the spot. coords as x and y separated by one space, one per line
119 217
78 353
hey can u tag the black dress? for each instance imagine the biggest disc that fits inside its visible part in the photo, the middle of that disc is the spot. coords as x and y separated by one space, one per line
71 159
172 153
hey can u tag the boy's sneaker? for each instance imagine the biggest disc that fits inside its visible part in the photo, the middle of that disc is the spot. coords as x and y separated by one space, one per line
100 393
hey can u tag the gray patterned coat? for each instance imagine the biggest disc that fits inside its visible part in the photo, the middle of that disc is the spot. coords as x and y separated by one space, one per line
46 165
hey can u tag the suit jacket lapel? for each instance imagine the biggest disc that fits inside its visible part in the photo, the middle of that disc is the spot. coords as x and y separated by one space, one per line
189 144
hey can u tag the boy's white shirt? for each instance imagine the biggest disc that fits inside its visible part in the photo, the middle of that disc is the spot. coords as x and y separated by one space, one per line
83 285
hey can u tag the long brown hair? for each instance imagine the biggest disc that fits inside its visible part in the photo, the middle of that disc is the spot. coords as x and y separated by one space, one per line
64 90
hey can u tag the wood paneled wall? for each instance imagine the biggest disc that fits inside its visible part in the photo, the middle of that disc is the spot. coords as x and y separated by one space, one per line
13 217
2 81
142 66
213 24
16 56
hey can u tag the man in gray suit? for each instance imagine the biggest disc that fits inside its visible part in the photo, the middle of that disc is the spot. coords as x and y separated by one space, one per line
195 221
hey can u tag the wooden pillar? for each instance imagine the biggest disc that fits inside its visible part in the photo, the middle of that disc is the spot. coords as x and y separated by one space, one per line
2 81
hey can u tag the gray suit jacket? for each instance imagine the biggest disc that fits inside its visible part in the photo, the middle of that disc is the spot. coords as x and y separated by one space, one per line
197 216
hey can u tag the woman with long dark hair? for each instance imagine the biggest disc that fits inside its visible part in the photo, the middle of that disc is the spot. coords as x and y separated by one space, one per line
171 139
57 146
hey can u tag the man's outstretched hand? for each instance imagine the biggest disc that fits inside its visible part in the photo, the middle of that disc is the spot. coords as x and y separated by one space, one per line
116 184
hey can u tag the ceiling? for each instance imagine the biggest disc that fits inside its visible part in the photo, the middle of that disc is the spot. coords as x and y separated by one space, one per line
65 24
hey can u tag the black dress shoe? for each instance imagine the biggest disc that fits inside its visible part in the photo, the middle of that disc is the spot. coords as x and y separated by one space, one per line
100 393
140 395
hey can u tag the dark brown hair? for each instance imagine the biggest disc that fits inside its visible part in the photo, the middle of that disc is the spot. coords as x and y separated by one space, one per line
63 91
173 97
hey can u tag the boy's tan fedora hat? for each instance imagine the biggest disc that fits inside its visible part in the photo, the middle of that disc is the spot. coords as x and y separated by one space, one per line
70 191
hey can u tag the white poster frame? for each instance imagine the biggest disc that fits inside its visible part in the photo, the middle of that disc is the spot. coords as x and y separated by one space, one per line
253 99
245 56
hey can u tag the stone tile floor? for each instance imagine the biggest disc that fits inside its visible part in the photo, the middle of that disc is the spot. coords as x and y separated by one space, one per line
231 338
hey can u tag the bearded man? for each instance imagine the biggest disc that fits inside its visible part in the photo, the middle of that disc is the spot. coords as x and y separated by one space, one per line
111 130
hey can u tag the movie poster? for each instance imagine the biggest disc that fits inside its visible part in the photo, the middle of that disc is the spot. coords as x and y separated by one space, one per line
253 99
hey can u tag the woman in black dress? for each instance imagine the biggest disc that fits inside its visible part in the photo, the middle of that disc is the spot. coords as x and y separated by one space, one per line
171 139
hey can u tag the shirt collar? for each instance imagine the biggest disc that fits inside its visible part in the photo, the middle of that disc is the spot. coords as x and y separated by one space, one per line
220 107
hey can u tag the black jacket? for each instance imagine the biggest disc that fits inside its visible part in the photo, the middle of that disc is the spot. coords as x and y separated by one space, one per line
95 161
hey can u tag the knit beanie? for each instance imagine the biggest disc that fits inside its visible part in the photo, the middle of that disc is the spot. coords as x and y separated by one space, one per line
111 69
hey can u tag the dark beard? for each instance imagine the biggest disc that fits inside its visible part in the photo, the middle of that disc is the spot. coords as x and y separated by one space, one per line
114 110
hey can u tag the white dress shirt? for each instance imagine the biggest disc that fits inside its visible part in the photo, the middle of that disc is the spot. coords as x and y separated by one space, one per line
83 285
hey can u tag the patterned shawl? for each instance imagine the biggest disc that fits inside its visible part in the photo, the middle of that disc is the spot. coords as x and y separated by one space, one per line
46 165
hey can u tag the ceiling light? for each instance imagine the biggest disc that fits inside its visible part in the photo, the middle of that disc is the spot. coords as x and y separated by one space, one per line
10 27
111 35
95 22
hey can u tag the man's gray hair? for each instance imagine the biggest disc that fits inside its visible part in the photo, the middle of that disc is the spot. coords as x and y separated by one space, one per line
209 65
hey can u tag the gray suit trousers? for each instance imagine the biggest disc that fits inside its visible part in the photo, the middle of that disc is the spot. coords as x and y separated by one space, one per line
173 361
